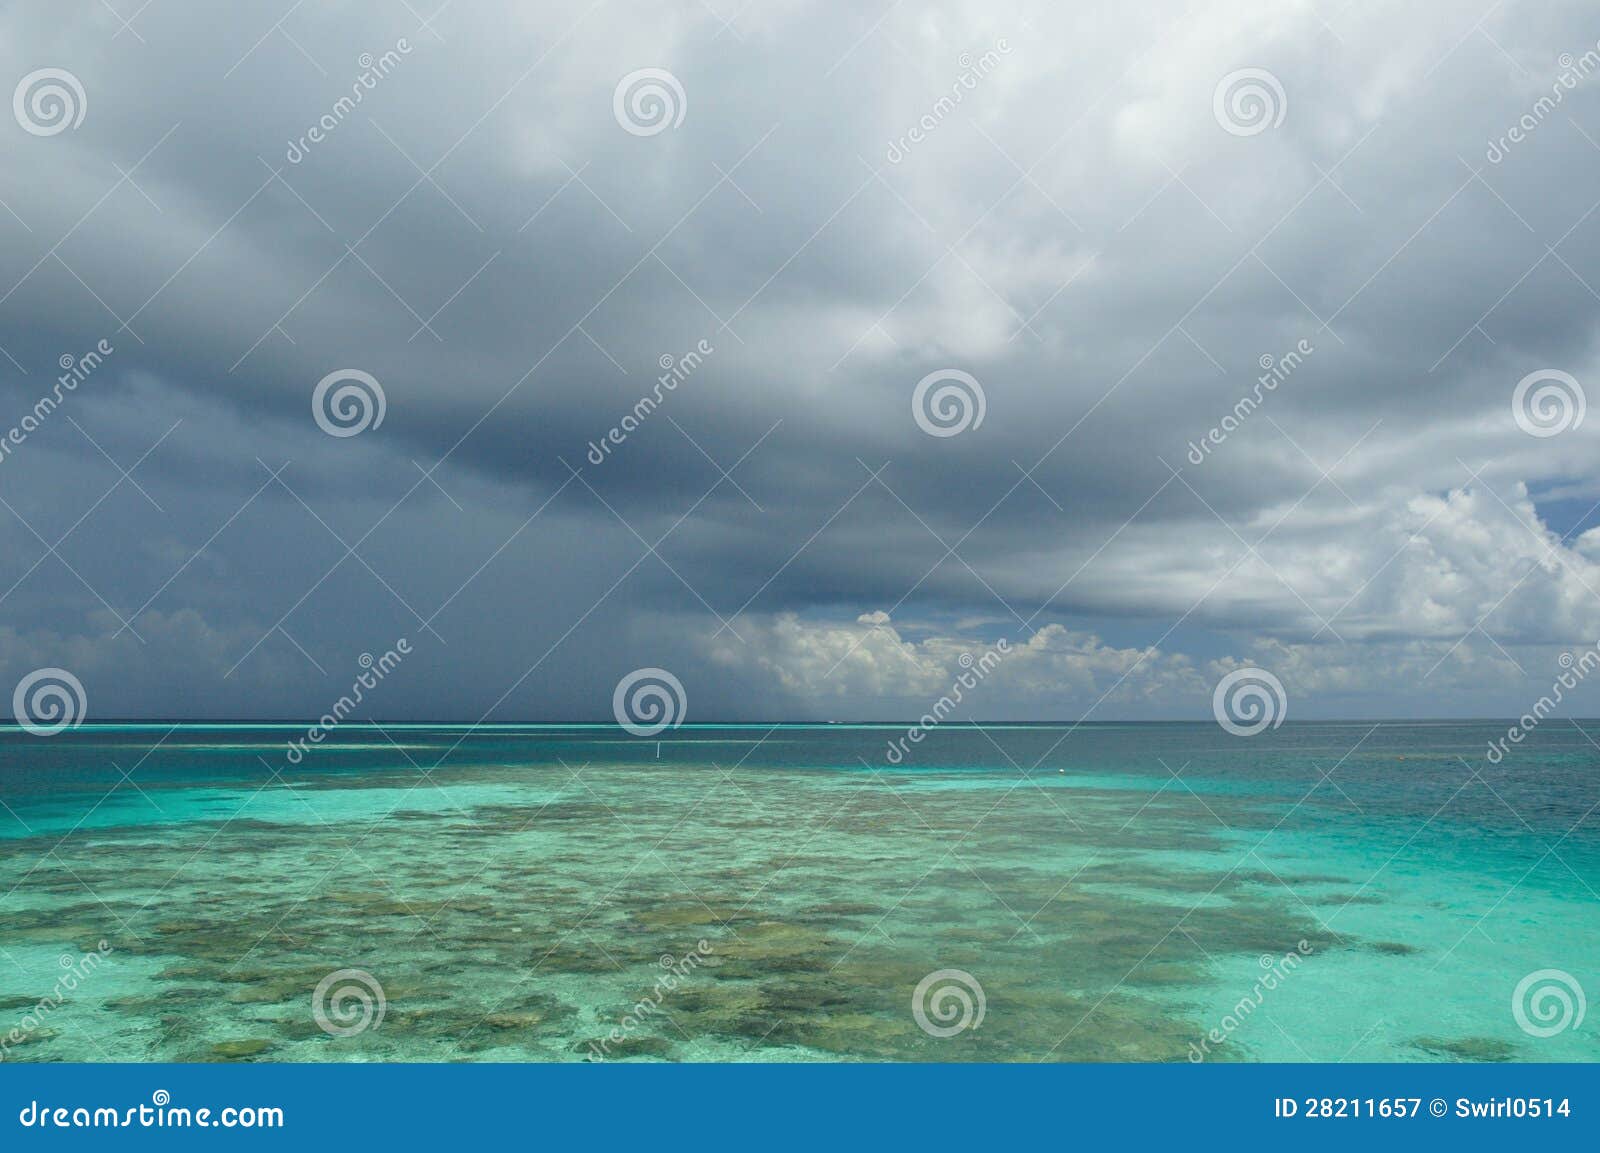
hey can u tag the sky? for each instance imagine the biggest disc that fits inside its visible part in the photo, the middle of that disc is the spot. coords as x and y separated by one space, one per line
807 352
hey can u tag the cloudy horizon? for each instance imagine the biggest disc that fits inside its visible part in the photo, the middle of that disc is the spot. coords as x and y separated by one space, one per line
808 352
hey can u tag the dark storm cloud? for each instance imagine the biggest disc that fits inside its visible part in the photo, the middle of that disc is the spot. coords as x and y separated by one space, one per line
1077 231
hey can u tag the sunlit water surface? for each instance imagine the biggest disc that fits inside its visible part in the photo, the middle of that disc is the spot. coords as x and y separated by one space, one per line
543 894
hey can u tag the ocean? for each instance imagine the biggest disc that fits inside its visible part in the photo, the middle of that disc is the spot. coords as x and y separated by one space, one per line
1350 891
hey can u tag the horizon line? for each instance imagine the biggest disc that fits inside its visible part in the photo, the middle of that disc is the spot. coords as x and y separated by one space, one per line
295 723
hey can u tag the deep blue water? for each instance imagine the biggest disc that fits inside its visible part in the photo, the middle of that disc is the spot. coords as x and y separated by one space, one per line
1114 891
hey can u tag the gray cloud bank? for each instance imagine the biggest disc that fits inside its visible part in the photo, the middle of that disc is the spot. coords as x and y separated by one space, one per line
1247 365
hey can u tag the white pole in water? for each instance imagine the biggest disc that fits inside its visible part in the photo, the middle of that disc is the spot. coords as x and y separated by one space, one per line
658 750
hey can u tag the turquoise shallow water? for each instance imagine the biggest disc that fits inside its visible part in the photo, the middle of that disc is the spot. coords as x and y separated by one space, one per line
1111 892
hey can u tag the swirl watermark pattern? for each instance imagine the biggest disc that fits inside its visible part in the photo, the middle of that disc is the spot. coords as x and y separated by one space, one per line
1548 402
347 1002
948 402
1248 701
49 101
1547 1002
48 701
649 701
355 405
1249 101
947 1002
648 101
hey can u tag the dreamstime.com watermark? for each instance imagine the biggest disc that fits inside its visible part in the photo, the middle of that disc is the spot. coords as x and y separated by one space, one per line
1277 970
159 1114
75 370
648 101
974 672
1248 701
947 402
1547 1002
1573 71
947 1002
376 670
675 970
373 69
347 402
1274 372
1548 402
1576 669
649 701
1248 101
675 370
972 71
348 1002
49 101
74 972
49 701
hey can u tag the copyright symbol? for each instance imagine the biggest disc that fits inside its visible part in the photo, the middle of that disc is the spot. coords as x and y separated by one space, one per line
1437 1107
